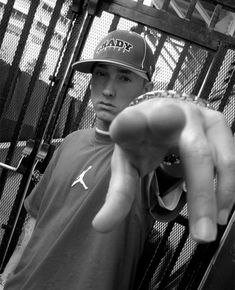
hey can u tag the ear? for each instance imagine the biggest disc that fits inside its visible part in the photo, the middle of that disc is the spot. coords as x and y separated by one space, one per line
148 87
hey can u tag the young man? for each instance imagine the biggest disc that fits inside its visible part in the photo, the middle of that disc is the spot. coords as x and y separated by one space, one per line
68 248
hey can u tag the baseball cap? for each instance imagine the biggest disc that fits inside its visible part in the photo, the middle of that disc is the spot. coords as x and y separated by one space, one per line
124 48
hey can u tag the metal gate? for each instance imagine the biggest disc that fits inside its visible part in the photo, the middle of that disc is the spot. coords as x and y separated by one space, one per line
42 100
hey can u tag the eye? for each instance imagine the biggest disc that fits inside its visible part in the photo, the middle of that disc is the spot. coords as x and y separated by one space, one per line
125 78
99 73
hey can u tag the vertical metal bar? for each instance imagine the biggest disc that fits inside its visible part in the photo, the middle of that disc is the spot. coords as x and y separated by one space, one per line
160 45
198 264
178 66
29 92
67 77
193 263
82 109
215 16
166 276
138 28
5 19
10 83
203 73
37 69
68 127
114 23
227 94
213 71
227 234
165 5
191 9
57 76
170 56
167 62
14 215
48 102
159 253
27 177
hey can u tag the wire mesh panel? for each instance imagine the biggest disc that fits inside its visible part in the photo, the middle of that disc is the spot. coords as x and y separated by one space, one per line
32 35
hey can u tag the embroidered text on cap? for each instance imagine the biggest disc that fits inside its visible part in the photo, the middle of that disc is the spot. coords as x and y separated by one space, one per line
115 43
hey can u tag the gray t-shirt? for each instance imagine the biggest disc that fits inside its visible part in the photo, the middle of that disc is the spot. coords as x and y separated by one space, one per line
65 252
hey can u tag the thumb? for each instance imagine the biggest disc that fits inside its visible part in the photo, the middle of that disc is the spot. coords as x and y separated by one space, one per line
123 185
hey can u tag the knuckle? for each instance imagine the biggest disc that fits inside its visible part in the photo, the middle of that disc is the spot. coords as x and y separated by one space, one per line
198 148
203 153
218 117
202 197
195 111
228 195
229 163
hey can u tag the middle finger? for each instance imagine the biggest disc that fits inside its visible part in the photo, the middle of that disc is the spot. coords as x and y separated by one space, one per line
198 165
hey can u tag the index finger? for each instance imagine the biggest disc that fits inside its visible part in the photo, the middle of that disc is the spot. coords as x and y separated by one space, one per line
123 186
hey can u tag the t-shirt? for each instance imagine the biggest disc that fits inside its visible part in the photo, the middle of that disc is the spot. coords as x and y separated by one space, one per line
65 252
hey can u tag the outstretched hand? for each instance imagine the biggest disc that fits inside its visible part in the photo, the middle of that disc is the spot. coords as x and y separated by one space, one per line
145 133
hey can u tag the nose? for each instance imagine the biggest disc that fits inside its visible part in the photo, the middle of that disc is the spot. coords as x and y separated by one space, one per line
109 89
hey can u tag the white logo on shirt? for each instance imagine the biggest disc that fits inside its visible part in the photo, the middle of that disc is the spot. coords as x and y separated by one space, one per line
80 178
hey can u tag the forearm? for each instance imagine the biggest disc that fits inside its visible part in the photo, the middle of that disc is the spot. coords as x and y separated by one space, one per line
20 247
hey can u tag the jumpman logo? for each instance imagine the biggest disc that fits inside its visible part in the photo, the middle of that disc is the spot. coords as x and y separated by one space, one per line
80 178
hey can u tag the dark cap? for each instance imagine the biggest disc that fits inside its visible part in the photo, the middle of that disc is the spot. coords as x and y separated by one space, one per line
123 48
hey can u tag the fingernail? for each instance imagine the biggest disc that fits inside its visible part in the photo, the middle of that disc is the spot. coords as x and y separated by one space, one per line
223 216
204 230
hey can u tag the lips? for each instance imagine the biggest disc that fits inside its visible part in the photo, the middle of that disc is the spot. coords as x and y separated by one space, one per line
106 105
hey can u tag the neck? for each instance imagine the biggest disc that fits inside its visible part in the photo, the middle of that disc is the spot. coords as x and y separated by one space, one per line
102 125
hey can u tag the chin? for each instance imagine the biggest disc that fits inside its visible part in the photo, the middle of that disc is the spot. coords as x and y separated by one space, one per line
105 117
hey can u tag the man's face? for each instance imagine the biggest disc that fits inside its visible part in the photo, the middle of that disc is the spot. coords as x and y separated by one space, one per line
112 90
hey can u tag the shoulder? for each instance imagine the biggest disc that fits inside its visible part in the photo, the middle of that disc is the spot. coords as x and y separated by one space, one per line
78 136
80 133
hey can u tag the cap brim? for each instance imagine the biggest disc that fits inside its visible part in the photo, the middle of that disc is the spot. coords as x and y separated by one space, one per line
87 65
